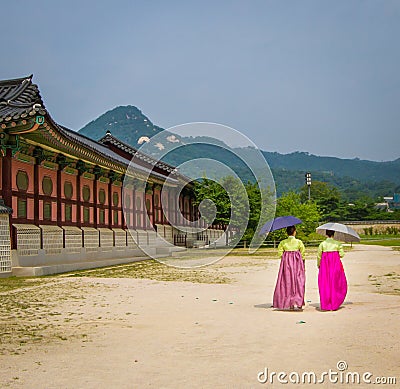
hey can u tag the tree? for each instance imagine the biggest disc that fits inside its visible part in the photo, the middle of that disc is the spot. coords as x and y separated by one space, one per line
208 192
262 209
327 197
243 207
290 204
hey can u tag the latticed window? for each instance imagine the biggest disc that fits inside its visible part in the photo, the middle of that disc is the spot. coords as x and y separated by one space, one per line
102 196
86 214
101 216
86 193
46 210
115 217
115 199
68 212
127 203
22 180
47 186
156 200
68 190
138 203
21 208
138 220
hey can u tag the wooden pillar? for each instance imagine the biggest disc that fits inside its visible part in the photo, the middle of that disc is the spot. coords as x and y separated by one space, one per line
133 208
95 201
78 200
174 203
59 208
153 203
7 179
6 186
110 212
144 215
36 192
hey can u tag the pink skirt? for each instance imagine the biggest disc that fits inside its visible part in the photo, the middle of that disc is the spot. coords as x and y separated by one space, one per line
332 281
290 285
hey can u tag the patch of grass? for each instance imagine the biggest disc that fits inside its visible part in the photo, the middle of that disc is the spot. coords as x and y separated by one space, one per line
272 253
13 283
388 283
392 242
31 316
153 270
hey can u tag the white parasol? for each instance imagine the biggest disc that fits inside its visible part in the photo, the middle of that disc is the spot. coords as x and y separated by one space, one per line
342 232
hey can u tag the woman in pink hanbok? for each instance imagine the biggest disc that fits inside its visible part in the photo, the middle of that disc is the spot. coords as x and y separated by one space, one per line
332 281
290 285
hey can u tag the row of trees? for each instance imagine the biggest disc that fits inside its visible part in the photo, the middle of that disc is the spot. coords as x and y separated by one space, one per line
334 207
245 206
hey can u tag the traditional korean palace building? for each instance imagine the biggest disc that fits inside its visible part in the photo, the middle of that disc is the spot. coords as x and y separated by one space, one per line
63 202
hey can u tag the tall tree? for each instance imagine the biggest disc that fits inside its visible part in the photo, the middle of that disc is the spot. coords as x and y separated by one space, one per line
327 197
290 204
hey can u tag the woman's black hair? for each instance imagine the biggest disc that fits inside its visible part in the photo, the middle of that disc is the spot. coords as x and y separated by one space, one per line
290 230
330 233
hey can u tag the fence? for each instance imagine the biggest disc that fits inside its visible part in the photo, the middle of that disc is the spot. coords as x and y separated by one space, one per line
180 240
368 222
275 243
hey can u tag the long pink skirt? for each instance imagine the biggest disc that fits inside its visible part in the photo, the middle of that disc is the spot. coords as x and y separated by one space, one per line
290 285
332 281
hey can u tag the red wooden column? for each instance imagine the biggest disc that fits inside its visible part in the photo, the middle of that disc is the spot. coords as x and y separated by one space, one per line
61 161
111 176
134 207
58 184
150 212
157 215
145 215
80 166
97 174
39 157
78 200
153 206
6 186
6 179
175 206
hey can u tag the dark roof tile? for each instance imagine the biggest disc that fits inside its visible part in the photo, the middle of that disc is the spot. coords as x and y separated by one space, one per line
19 98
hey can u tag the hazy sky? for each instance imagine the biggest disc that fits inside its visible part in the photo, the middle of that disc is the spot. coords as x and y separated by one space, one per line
317 76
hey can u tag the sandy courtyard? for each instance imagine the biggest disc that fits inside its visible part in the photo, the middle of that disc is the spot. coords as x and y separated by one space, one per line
140 333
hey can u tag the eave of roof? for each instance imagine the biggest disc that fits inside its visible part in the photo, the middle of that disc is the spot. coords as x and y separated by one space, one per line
20 98
136 153
142 156
100 148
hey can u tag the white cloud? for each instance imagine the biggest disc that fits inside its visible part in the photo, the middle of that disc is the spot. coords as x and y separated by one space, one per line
160 146
143 139
172 139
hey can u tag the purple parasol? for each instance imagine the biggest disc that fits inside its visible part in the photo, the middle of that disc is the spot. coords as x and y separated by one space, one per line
278 223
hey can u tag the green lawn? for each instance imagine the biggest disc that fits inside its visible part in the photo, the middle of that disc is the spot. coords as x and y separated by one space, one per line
390 242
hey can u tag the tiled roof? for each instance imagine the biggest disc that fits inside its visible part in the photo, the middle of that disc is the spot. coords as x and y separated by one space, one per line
4 209
100 148
137 154
19 98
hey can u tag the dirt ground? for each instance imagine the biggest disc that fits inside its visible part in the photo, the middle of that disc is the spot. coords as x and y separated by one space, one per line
210 327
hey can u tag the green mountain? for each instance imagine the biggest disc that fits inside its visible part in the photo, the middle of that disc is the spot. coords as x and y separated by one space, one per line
353 177
127 123
360 169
